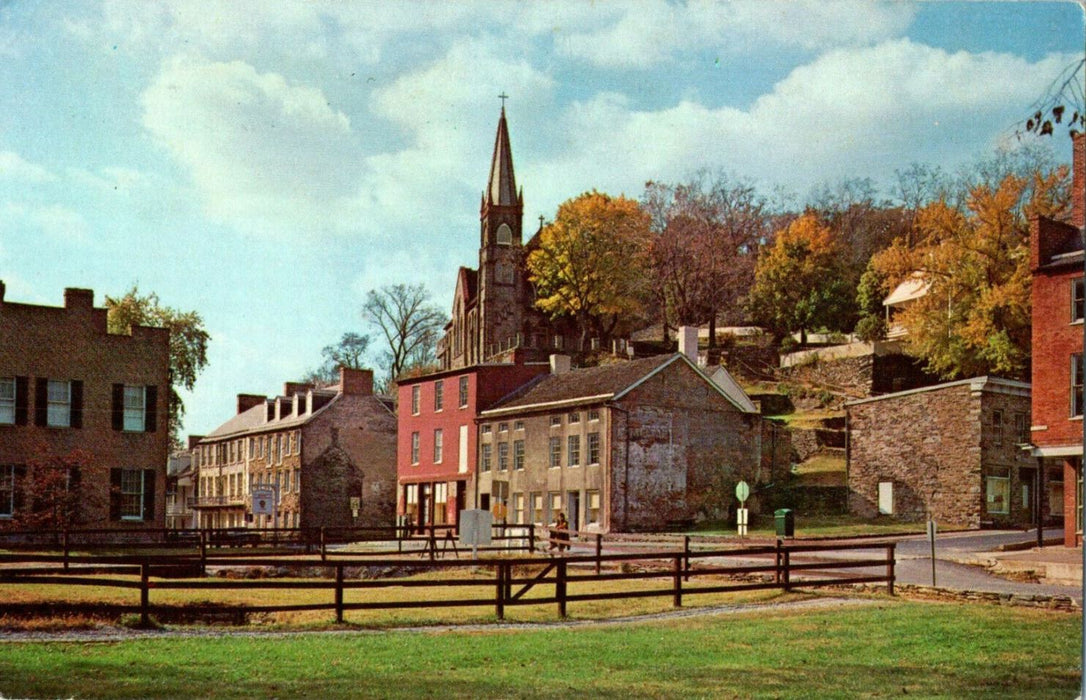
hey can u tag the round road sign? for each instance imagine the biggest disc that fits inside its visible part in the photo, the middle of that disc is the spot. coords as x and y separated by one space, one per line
742 490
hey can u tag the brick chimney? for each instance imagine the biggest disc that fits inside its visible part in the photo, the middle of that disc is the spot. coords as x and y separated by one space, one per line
247 401
688 342
292 388
559 364
78 298
356 382
2 290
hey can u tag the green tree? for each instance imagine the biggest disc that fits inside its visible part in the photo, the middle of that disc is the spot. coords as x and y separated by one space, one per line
188 343
592 261
798 283
410 324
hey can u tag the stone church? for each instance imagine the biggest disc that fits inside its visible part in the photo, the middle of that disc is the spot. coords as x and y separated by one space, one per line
494 317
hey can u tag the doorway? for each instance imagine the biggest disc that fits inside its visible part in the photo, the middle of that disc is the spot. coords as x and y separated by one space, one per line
573 504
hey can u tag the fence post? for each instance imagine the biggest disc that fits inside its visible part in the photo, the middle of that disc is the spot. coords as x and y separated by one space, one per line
499 596
145 597
560 587
599 551
787 570
531 538
433 544
778 562
686 555
324 546
67 548
339 593
203 552
678 576
890 560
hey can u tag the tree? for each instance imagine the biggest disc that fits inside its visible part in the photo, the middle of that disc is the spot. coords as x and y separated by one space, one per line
188 343
798 285
592 261
410 324
349 352
975 317
703 254
1063 95
52 490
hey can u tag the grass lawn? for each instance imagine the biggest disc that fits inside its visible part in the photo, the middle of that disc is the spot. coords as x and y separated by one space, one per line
816 525
891 648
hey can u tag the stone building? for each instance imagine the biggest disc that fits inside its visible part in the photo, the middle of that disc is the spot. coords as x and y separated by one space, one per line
181 490
644 444
1056 260
70 390
954 449
328 455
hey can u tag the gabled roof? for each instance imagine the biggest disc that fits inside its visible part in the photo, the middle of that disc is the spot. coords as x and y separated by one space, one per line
501 189
254 420
596 384
911 289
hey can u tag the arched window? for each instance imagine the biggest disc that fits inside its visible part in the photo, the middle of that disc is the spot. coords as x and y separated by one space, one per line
505 235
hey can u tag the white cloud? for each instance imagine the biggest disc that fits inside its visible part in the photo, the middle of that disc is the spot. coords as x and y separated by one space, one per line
54 221
14 167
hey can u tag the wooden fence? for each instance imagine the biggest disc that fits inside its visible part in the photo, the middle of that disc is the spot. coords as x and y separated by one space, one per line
690 571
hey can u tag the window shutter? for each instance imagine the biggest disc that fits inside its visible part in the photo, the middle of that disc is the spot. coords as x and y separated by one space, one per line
118 406
77 404
22 400
20 488
115 493
150 399
41 401
148 495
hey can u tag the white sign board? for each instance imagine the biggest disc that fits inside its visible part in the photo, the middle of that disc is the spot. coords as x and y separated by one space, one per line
263 501
475 526
742 491
741 520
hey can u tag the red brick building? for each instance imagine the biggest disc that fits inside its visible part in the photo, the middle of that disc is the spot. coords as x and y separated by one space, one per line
328 454
1056 260
69 387
437 437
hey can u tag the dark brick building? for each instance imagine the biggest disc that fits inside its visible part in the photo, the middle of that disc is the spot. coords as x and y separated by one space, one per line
329 454
953 448
1056 260
71 389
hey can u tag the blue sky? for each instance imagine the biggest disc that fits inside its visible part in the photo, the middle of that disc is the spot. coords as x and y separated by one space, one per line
267 163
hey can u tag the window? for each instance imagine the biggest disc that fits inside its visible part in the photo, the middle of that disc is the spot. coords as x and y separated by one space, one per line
518 454
997 428
286 480
518 425
554 504
7 490
593 448
1077 300
437 445
503 427
1021 428
537 508
7 407
415 447
999 495
59 404
439 395
594 414
592 512
486 429
252 447
1076 385
518 508
132 490
297 480
504 235
574 417
487 450
463 392
134 404
415 394
573 450
556 421
556 452
503 456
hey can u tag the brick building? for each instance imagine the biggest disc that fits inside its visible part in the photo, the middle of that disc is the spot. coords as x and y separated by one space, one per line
437 437
955 448
69 387
329 455
644 444
1056 261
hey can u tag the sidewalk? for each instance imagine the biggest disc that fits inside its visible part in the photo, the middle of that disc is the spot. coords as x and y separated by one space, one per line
1056 564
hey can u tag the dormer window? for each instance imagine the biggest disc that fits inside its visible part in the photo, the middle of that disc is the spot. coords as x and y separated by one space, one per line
504 235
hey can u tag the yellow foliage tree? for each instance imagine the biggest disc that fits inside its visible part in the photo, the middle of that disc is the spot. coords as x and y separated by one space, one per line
591 263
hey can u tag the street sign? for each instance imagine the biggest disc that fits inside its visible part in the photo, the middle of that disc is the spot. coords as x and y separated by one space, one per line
475 526
263 501
741 520
742 491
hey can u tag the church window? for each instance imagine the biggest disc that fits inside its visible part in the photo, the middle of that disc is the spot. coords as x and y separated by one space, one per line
504 235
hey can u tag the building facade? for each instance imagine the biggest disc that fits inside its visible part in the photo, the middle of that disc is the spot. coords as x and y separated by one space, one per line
437 438
327 456
954 450
1056 261
83 418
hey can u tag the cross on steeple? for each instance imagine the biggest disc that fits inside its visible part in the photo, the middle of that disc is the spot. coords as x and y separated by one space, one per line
503 97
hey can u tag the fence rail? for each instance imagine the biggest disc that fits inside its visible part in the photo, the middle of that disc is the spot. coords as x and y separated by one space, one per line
689 571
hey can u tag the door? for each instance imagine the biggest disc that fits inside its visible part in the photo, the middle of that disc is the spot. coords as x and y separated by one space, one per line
424 506
886 498
573 503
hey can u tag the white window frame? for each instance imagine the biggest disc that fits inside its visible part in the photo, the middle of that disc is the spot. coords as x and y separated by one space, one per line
573 450
1078 299
7 400
415 447
439 446
416 399
1004 485
593 449
129 477
464 390
58 409
555 452
134 405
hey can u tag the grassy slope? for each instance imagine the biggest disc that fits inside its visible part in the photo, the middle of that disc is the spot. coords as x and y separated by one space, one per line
922 649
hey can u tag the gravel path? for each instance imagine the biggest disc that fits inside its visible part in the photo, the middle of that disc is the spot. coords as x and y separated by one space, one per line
123 634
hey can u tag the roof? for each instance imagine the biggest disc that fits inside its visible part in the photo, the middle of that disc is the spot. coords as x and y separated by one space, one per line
502 186
732 390
254 420
984 383
596 384
911 289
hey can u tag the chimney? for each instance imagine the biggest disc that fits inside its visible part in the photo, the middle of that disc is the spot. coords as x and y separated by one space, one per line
356 382
292 388
2 290
559 364
247 401
688 342
78 298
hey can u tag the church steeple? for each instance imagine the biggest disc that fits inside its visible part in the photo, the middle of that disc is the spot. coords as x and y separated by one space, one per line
501 190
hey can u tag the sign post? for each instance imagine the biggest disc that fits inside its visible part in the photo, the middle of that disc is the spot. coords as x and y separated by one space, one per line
742 492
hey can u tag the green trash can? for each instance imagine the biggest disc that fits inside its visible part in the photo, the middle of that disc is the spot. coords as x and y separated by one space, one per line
786 522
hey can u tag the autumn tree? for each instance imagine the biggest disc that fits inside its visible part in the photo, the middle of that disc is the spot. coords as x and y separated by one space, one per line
707 234
349 352
798 285
409 323
975 316
591 263
1062 105
51 490
188 343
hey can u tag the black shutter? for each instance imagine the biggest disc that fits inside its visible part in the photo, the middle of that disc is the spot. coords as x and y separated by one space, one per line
118 406
20 487
22 400
150 398
41 401
148 495
77 404
115 493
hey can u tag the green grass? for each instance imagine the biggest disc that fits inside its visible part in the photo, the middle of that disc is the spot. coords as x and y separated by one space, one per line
890 649
817 525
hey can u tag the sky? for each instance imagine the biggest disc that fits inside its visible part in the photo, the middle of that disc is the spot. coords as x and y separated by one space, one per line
267 163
